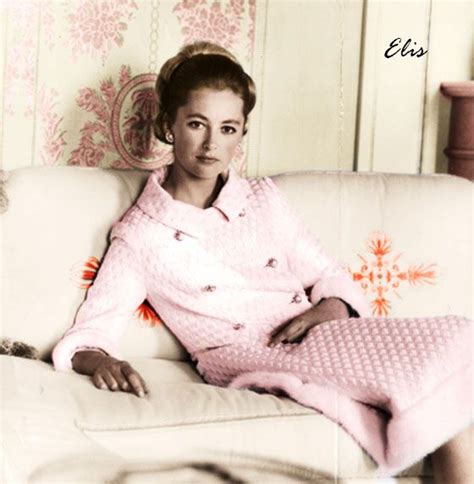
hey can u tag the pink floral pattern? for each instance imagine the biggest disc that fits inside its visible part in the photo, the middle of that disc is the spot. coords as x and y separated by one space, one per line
211 22
129 138
139 132
382 275
251 33
97 26
96 136
20 72
133 118
53 136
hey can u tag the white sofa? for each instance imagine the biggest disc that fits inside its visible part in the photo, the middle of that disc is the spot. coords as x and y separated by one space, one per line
406 238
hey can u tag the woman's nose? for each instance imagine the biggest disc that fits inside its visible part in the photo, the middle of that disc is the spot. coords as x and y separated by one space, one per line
209 143
209 146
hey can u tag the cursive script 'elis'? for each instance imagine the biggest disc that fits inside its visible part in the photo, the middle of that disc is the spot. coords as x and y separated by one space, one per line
405 50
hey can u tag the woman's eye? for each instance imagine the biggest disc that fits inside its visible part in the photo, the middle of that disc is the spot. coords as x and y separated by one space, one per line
195 124
229 130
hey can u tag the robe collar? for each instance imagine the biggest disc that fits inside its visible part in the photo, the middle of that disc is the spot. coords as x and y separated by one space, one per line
160 205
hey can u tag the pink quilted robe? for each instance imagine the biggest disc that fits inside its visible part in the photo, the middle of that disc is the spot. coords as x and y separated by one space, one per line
223 278
400 387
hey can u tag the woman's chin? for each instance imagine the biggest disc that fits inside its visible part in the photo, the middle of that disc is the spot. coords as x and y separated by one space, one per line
211 169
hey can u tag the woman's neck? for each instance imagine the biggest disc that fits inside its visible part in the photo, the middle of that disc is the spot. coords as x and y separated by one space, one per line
198 192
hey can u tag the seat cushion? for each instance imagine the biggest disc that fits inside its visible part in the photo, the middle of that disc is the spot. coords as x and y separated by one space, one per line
181 417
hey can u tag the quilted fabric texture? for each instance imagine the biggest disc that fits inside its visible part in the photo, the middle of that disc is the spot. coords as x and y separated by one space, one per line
401 387
222 278
226 274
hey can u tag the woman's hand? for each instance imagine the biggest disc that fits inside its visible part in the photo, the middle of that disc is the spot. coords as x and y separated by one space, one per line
295 330
109 373
118 375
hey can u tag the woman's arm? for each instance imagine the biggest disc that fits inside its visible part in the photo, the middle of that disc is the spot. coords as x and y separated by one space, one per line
111 301
318 271
294 331
86 362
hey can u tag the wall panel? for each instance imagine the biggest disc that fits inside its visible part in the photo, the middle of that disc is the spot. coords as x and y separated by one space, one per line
391 115
306 112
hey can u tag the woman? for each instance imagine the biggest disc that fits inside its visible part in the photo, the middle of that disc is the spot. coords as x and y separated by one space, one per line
231 269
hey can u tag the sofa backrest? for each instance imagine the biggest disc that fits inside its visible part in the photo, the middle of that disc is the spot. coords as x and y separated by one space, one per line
406 239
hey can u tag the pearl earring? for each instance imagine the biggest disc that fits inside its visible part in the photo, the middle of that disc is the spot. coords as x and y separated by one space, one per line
169 137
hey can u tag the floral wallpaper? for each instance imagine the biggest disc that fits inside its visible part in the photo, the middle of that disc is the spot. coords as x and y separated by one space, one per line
97 27
79 75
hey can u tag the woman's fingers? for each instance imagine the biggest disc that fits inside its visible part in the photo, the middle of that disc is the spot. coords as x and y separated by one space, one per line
98 381
119 375
110 380
290 333
135 380
121 380
300 328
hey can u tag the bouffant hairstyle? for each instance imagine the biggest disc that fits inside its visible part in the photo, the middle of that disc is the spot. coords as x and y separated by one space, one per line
199 65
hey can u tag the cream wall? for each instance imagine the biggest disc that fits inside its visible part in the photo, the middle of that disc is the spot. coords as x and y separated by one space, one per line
327 97
403 118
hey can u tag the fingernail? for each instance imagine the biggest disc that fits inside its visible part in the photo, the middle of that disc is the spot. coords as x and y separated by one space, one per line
140 393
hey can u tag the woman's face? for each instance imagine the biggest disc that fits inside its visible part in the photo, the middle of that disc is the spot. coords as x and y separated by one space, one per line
206 132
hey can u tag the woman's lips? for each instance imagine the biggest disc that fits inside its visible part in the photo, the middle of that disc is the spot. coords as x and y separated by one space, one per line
207 159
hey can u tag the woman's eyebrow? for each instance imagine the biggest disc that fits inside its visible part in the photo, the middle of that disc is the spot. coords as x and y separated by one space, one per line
200 116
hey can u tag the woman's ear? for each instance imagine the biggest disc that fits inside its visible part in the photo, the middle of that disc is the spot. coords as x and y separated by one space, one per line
168 133
166 125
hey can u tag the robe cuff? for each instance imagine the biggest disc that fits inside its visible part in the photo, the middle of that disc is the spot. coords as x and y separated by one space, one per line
84 339
350 310
344 289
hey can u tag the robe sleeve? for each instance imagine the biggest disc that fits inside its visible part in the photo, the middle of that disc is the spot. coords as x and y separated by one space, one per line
322 275
111 301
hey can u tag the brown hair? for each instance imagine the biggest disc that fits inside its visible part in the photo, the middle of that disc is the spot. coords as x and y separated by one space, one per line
199 65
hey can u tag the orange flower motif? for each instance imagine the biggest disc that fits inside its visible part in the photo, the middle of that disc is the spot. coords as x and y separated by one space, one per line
421 274
83 275
146 315
380 306
381 275
379 246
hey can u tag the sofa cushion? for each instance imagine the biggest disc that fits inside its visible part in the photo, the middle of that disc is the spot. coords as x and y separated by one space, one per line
182 417
37 420
55 231
406 239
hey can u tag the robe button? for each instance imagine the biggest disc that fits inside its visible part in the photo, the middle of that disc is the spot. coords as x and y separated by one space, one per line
272 262
178 235
242 213
296 299
238 326
209 288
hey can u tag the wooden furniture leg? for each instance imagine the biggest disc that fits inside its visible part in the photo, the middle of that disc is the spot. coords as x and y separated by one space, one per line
460 149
